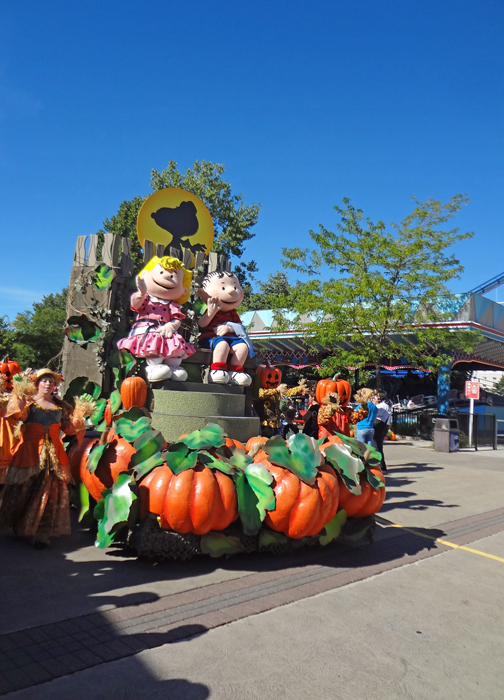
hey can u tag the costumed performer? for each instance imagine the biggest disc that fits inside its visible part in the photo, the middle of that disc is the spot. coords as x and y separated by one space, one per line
222 330
163 285
272 398
35 498
333 418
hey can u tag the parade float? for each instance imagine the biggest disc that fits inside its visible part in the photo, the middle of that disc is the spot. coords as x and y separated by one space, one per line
174 464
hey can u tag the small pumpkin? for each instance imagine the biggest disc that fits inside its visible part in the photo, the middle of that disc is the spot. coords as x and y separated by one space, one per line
107 414
230 442
9 368
338 386
255 442
269 377
114 460
133 392
195 500
368 502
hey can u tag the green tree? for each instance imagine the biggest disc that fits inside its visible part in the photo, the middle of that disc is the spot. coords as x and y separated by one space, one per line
498 387
379 291
5 337
232 218
37 335
276 289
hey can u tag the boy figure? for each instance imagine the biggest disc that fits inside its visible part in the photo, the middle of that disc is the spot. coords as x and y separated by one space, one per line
222 330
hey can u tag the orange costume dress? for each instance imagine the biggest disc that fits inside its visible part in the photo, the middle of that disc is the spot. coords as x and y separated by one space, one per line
8 441
35 497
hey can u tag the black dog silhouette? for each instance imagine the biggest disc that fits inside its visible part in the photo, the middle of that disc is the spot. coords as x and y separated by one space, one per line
182 223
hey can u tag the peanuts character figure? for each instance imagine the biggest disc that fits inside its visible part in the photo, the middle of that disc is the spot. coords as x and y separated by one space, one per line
222 330
162 285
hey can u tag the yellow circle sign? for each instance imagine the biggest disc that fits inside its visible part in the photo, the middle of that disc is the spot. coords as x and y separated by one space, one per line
176 218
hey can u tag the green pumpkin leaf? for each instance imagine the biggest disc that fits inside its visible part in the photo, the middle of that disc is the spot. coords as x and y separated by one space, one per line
98 412
374 480
82 330
179 458
102 427
94 457
80 386
115 401
117 506
146 445
215 463
348 466
239 459
260 480
84 501
216 544
372 457
131 431
247 505
102 276
99 509
128 361
270 538
143 468
301 455
117 376
333 528
134 413
212 435
357 447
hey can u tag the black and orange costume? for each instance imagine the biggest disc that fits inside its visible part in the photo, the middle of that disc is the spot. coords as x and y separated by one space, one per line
35 497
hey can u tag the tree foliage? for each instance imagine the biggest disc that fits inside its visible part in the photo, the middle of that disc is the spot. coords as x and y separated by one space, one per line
232 218
375 293
270 294
498 387
35 338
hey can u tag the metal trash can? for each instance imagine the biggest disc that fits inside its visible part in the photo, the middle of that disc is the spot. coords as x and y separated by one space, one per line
446 435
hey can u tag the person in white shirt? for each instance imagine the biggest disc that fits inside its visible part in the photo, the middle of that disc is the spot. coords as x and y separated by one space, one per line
382 424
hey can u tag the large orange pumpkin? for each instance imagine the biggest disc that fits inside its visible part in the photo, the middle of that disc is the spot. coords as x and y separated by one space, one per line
9 368
368 502
334 386
269 377
302 510
114 460
196 500
133 392
230 442
78 455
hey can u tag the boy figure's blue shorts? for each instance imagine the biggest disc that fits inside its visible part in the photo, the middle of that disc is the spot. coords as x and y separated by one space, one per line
212 343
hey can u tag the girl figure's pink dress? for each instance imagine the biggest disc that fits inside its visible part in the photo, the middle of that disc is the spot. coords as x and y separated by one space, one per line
144 341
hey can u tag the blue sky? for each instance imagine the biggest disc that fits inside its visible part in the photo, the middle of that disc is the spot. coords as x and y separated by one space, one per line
305 102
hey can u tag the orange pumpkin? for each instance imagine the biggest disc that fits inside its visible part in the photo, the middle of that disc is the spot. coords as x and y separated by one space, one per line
368 502
78 455
114 460
133 392
302 510
230 442
107 414
196 500
9 368
334 386
255 441
269 377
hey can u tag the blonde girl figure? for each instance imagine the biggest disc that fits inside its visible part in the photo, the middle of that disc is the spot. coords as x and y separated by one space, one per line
163 285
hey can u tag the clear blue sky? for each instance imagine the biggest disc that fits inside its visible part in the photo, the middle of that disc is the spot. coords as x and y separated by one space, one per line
305 102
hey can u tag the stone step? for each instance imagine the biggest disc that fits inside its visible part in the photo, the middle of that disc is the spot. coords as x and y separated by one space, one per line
199 403
199 387
172 426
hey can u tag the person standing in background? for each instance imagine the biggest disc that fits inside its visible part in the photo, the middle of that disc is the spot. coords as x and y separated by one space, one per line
365 427
382 424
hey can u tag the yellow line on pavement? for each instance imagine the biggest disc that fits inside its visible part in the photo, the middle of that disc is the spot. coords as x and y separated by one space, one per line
389 523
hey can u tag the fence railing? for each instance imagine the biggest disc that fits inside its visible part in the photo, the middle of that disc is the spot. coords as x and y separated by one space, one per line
420 423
